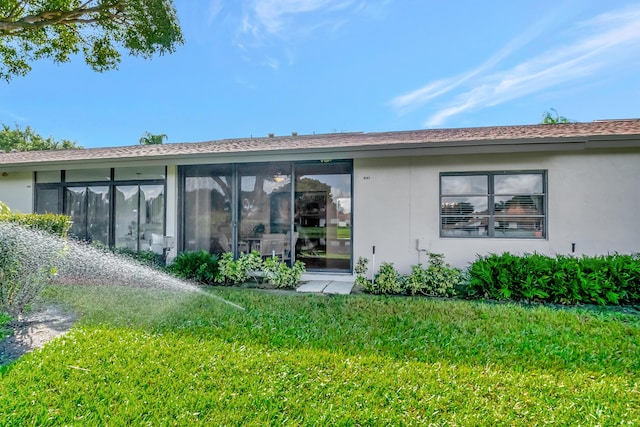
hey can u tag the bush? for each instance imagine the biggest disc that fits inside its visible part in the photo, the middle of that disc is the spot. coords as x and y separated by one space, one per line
386 281
361 272
238 271
147 257
280 274
200 266
27 264
609 279
438 279
58 225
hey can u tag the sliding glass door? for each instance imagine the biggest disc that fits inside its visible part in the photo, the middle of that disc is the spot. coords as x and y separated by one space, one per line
208 209
88 207
295 211
323 215
265 209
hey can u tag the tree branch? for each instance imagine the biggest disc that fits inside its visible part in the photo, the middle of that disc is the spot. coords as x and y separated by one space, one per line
59 17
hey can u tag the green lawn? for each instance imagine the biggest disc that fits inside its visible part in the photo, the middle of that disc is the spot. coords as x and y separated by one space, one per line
154 358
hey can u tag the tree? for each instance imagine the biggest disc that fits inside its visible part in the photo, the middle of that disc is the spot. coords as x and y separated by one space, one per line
552 119
57 29
152 139
28 140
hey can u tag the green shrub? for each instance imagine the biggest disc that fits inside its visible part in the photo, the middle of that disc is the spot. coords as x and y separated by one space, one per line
280 274
26 265
438 279
609 279
386 281
237 271
147 257
361 272
58 225
200 266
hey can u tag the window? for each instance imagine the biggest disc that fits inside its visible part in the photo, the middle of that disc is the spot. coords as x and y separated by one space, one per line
493 204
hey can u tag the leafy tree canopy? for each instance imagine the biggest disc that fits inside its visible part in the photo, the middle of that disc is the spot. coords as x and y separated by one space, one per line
552 119
57 29
152 139
28 140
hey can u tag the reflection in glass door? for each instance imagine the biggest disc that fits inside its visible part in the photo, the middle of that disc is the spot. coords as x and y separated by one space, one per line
265 209
208 209
323 216
139 218
88 208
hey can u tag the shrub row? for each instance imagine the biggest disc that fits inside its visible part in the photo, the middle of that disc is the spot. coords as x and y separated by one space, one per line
607 279
208 269
436 279
58 225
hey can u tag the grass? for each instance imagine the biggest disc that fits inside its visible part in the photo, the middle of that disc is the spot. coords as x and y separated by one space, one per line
153 358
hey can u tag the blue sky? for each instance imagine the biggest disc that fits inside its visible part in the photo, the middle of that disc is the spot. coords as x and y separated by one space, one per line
254 67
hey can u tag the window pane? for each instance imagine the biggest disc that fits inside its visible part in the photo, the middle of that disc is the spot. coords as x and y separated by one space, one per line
532 226
265 208
47 200
126 221
152 217
132 174
465 184
207 209
464 216
47 177
464 205
98 214
88 175
322 236
519 205
518 184
76 208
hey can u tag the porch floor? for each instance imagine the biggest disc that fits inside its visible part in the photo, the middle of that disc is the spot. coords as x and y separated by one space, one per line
326 287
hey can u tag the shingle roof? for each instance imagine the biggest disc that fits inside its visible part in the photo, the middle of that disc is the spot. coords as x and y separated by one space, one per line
594 131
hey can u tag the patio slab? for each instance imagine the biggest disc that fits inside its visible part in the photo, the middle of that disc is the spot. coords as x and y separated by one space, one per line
313 286
338 288
326 287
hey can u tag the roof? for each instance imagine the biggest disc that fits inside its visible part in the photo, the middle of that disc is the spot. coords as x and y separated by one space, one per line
605 130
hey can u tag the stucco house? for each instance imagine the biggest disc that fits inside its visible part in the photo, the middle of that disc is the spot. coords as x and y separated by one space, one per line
328 199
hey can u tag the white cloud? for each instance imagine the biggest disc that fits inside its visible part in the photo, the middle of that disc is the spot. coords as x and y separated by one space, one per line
604 42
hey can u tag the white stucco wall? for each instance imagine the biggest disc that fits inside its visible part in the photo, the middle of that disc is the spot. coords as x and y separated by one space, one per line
16 190
593 201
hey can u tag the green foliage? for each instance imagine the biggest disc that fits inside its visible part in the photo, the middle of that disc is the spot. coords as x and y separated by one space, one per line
438 279
552 119
238 271
200 266
58 30
28 140
56 224
4 209
152 139
147 257
608 279
386 281
280 274
5 319
374 361
24 272
361 269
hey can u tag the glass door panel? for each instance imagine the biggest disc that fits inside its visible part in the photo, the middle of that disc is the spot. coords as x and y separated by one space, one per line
208 209
265 209
76 208
98 214
323 216
152 218
126 221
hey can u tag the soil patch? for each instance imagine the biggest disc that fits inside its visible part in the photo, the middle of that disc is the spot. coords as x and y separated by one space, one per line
33 330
